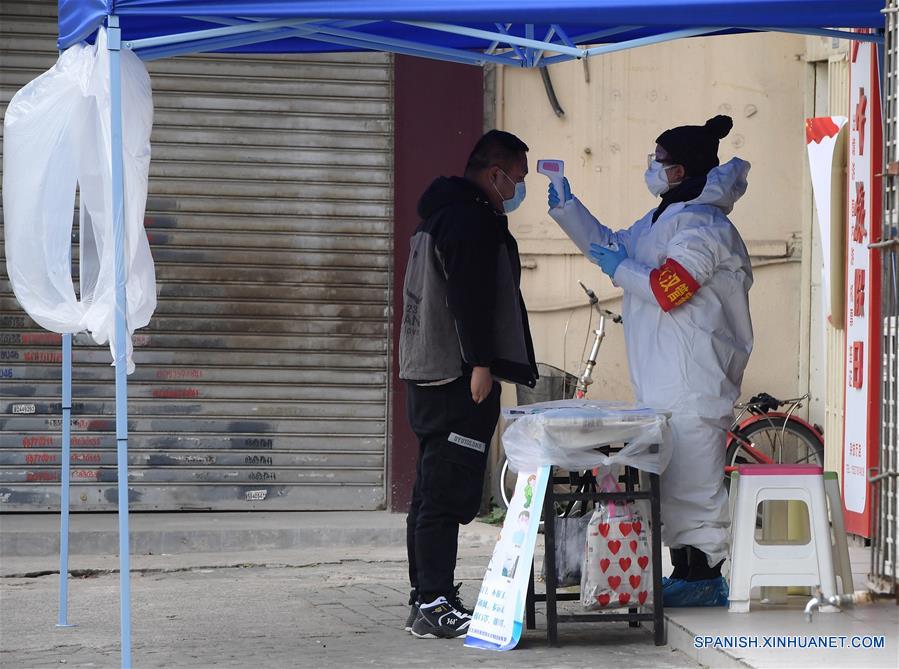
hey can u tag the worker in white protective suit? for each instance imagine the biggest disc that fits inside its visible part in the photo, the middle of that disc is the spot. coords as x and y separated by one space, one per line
686 276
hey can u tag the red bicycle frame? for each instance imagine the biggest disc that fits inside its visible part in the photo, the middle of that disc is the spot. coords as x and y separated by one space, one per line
747 446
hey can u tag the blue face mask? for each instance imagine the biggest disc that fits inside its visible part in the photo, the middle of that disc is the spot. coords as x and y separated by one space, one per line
515 201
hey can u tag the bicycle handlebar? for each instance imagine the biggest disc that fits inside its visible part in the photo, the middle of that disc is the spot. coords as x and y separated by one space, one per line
768 402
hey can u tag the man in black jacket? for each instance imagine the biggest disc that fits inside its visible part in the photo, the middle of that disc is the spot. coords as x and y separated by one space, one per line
464 326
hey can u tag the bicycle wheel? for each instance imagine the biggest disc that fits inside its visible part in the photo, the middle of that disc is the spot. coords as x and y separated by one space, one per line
774 440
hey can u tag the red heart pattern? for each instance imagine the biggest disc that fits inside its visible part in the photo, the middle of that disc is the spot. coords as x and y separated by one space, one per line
624 579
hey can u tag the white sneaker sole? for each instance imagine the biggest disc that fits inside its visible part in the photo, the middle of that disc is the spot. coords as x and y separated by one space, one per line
434 636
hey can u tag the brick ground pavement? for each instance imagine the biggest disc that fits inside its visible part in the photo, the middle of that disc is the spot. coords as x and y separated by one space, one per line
305 609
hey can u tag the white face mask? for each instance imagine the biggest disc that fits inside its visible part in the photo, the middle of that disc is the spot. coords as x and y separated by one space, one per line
656 178
517 198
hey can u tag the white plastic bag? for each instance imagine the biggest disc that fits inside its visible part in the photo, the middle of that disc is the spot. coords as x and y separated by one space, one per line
617 572
57 135
566 433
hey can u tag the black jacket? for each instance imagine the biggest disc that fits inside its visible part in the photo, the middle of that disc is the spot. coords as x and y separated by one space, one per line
462 306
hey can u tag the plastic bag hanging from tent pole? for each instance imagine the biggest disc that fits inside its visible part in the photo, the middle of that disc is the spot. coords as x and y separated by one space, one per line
56 137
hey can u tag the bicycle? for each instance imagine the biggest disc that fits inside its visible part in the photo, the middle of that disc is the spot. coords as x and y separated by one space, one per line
767 436
557 384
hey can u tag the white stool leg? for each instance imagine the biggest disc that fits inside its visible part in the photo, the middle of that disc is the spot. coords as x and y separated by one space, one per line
743 510
840 544
738 606
731 505
732 497
822 539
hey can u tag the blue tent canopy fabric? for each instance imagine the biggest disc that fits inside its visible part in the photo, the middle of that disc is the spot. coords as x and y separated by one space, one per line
361 24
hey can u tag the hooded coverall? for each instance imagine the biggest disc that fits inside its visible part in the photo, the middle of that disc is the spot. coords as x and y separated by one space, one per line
688 333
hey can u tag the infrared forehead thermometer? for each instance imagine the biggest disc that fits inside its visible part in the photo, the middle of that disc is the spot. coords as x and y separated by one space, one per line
555 171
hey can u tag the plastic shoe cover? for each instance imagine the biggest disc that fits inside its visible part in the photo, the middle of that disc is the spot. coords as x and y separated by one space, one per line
712 592
666 581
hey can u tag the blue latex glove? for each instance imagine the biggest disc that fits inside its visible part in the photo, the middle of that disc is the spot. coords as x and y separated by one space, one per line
607 259
554 196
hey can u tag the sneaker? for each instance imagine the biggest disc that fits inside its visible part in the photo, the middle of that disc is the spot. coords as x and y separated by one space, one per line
413 611
456 601
413 616
440 620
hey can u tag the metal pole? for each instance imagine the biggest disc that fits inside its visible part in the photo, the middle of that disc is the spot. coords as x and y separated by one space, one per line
549 560
658 612
502 37
65 477
121 379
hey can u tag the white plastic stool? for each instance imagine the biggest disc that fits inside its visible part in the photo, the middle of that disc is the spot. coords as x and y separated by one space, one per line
755 564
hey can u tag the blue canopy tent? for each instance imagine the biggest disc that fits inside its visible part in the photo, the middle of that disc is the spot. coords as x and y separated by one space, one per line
515 33
468 31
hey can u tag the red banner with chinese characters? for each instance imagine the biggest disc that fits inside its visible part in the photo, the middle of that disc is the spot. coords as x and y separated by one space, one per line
862 373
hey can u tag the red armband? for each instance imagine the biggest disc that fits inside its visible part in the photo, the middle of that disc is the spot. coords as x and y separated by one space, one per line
672 285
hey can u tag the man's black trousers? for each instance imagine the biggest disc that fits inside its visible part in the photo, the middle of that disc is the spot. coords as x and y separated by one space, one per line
454 437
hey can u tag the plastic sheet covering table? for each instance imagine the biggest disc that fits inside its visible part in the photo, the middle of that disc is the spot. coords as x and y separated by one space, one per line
570 434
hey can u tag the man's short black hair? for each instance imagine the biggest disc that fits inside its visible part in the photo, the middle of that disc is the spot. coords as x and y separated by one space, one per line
497 147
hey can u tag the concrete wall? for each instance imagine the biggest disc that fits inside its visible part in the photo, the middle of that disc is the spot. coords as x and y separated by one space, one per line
609 126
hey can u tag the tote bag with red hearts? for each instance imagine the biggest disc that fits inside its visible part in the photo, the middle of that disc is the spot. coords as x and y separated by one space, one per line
616 572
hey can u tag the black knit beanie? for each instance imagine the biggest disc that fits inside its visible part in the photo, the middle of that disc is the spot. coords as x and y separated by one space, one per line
696 146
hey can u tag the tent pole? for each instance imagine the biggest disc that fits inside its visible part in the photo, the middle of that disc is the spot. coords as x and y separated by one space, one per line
213 33
503 37
65 478
332 34
875 37
114 40
652 39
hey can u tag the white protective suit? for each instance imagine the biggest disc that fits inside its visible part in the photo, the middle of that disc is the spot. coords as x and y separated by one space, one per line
688 358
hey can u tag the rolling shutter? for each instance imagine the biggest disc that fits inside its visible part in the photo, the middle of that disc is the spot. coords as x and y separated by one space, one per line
262 380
